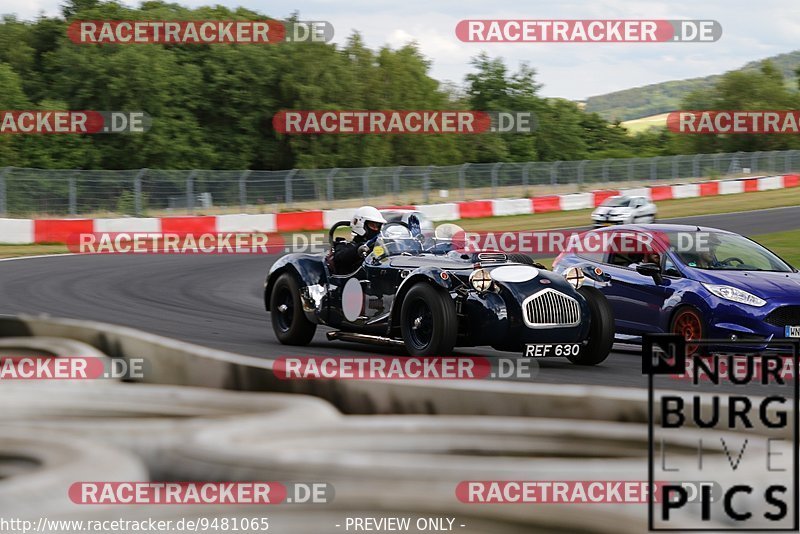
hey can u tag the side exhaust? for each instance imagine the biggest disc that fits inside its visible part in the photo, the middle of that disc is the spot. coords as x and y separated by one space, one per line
364 338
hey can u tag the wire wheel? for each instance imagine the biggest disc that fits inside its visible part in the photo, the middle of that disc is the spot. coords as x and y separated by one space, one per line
420 323
284 311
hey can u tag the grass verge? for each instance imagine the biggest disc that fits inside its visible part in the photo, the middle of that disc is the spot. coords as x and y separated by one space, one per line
13 251
784 244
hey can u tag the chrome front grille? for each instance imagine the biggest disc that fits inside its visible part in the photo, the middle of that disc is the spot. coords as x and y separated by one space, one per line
550 308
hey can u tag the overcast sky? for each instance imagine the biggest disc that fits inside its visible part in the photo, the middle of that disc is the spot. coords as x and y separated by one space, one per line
751 30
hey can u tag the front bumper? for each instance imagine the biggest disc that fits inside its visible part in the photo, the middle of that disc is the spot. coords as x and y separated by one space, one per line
497 321
748 326
599 222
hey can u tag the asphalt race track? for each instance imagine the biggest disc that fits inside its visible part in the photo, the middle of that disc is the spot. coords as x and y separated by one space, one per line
216 301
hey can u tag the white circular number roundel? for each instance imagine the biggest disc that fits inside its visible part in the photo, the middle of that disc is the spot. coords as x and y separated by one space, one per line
515 273
352 300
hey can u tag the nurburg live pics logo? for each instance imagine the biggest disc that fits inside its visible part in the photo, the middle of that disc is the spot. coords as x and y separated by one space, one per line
743 433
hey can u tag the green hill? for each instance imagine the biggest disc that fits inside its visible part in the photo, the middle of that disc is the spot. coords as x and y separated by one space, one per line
663 97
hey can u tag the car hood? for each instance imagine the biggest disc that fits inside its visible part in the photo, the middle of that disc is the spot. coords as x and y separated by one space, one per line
429 260
762 284
522 278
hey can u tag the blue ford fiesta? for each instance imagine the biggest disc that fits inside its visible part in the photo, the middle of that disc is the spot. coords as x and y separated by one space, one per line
699 282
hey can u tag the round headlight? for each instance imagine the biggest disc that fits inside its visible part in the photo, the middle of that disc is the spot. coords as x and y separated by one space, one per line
575 277
481 280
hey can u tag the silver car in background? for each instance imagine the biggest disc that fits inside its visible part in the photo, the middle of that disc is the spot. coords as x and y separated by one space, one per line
623 209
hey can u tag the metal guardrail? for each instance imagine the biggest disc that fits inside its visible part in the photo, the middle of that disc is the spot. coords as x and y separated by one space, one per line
137 192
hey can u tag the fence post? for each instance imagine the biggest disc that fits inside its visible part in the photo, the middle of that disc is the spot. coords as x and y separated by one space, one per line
243 189
716 158
462 179
526 169
190 192
631 174
738 158
3 173
581 166
696 165
495 172
287 184
73 194
426 184
676 160
137 192
396 183
654 168
754 161
771 160
606 163
365 183
329 183
554 172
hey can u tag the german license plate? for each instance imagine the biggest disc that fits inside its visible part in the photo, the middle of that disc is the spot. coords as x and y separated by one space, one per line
551 350
793 331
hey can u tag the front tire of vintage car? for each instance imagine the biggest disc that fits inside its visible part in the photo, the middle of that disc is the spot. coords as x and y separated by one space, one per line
428 321
289 322
601 329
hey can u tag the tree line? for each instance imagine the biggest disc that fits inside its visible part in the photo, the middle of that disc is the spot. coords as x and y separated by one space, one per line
212 105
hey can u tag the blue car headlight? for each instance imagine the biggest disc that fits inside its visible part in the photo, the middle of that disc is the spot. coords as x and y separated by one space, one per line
735 294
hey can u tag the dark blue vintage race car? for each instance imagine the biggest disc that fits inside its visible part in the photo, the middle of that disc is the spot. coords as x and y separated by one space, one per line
702 283
416 290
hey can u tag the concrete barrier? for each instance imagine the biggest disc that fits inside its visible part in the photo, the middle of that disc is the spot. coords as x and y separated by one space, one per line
47 346
37 469
144 419
376 464
173 362
420 461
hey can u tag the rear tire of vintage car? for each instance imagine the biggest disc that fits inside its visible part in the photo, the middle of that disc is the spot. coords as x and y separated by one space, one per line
601 329
428 321
289 322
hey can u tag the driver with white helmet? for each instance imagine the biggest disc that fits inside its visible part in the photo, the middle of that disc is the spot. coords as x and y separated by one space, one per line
366 225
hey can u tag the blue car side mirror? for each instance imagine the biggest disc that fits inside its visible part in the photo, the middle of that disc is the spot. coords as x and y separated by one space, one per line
650 269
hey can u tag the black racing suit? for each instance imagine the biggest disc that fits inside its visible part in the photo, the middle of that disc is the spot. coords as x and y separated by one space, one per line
345 257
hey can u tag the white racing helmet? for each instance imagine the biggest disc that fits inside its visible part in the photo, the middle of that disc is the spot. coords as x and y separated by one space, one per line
363 215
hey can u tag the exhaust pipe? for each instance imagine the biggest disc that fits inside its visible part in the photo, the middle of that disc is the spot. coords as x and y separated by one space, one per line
364 338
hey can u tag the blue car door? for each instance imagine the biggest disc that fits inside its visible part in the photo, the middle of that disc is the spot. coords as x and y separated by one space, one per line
637 300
